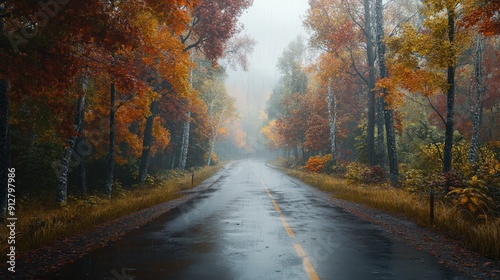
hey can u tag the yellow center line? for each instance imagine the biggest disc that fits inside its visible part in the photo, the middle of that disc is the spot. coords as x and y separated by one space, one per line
276 206
287 226
308 267
265 187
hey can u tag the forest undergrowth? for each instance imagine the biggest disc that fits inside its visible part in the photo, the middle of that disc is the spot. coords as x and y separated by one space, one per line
467 213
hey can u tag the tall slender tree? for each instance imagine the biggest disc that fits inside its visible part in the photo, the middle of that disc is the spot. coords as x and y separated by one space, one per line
370 59
476 102
450 9
386 106
332 120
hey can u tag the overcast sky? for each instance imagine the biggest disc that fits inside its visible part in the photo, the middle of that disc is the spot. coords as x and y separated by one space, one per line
273 24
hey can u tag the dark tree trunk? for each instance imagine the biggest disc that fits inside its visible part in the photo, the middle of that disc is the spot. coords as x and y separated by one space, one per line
82 148
371 85
392 153
304 154
147 143
450 100
111 155
391 147
83 172
296 153
476 107
381 153
172 155
4 147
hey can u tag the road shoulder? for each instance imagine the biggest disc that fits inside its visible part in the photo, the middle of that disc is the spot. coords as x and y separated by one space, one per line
39 262
448 251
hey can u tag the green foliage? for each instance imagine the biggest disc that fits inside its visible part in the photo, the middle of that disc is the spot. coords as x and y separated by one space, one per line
360 144
118 190
430 158
415 182
37 164
416 135
335 168
170 174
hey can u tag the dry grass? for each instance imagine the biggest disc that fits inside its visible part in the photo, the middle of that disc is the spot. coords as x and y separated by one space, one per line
41 222
480 236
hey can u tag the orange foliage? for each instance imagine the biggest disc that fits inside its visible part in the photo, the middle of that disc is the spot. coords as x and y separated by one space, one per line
316 164
484 14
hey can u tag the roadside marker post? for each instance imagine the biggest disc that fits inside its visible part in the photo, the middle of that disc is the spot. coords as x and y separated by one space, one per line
431 207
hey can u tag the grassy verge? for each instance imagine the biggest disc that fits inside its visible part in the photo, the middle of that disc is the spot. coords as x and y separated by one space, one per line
480 236
40 222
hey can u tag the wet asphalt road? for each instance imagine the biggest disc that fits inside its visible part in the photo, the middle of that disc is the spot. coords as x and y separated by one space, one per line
257 223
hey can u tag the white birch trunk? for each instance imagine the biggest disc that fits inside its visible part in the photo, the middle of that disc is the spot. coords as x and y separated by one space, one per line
215 132
64 165
185 141
332 120
186 129
212 148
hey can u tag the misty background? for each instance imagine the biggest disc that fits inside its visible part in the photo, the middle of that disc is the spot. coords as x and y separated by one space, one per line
273 24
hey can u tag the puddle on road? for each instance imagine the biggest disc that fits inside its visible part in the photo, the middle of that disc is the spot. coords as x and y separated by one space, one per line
201 247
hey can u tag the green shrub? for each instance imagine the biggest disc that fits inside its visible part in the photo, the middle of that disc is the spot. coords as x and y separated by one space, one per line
474 187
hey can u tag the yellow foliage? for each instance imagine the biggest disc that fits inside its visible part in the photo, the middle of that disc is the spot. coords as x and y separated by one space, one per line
161 137
274 140
473 199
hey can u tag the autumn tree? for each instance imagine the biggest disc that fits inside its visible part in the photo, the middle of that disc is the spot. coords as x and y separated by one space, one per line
220 110
318 134
330 74
383 99
213 23
41 40
273 139
284 104
293 124
293 80
116 49
168 70
91 42
338 27
483 14
438 45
